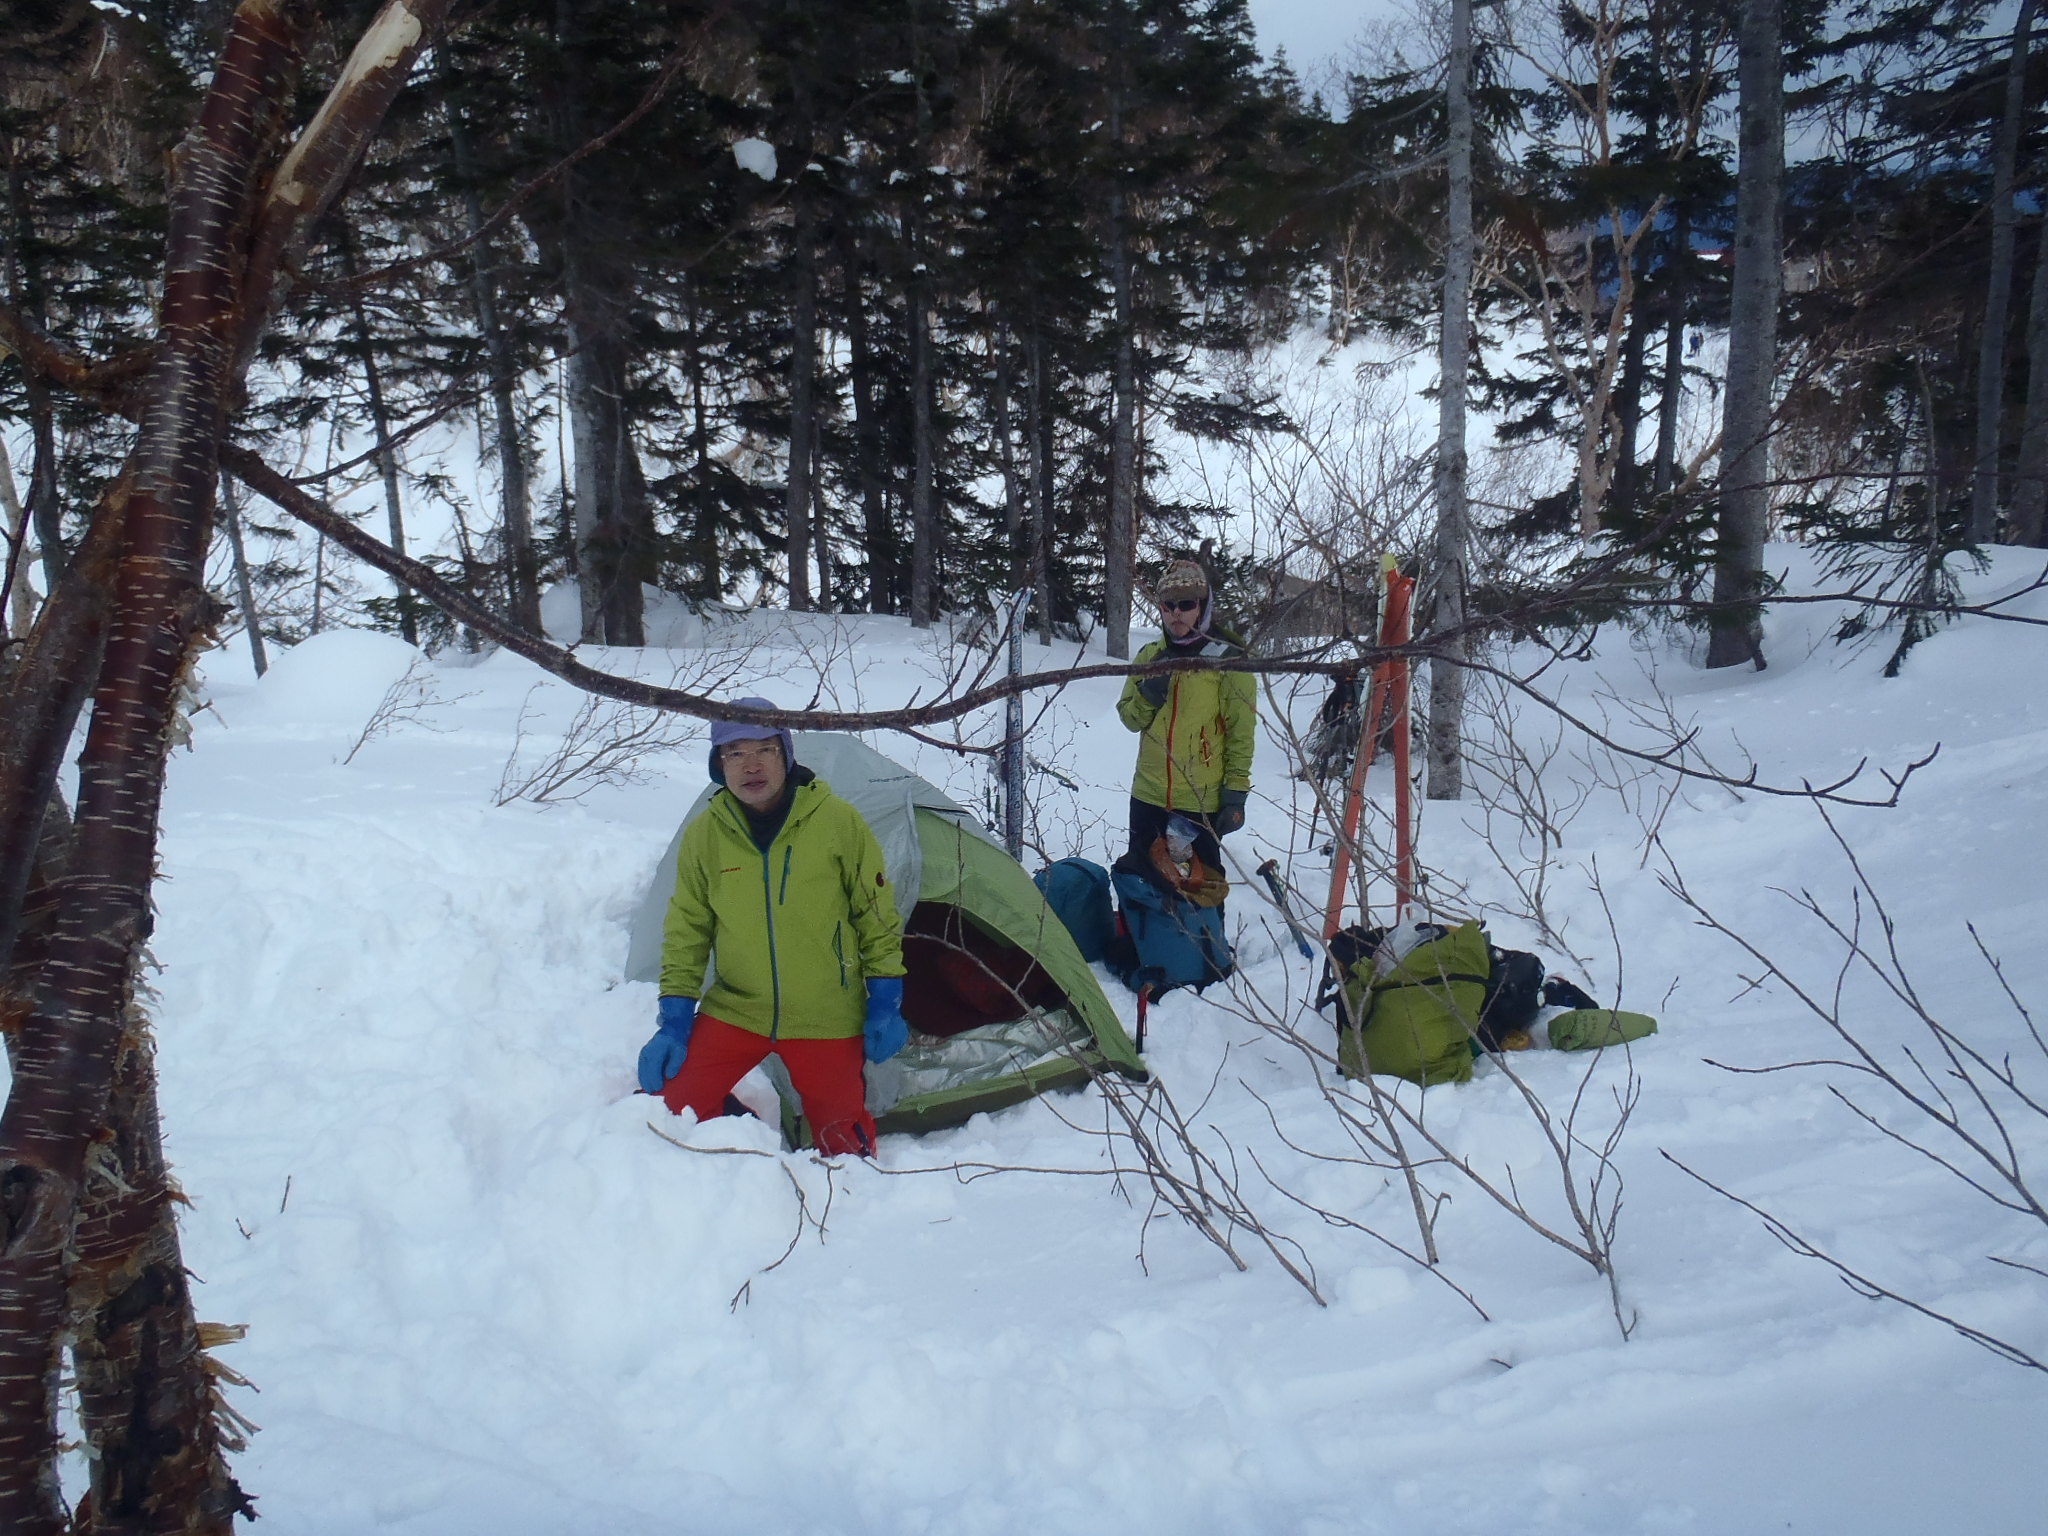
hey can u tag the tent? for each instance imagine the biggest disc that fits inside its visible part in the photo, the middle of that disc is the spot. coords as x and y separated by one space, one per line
1001 1005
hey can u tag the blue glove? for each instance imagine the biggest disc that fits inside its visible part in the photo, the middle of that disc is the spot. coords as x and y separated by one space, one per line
1153 690
1230 815
662 1057
885 1032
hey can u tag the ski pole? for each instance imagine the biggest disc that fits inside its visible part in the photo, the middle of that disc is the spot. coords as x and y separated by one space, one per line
1270 873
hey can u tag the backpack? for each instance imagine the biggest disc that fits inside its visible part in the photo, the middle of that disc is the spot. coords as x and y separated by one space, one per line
1077 890
1514 995
1420 1019
1168 942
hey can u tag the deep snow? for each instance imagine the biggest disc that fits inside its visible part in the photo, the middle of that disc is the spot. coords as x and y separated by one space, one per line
397 1069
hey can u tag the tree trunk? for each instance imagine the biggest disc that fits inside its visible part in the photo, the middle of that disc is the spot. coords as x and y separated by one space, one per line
1016 561
515 502
1039 436
1453 515
704 530
803 388
1120 537
44 508
380 427
1672 394
610 491
1737 620
45 502
924 517
1998 288
1624 490
2030 483
229 245
885 577
68 1045
42 692
17 595
138 1353
245 589
821 531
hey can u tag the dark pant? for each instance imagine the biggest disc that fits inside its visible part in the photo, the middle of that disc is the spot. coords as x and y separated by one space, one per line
825 1073
1148 823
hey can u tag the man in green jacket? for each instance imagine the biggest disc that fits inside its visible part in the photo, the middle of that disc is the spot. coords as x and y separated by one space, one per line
782 897
1196 729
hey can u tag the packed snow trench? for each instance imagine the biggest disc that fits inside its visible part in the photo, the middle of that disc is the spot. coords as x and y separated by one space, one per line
484 1296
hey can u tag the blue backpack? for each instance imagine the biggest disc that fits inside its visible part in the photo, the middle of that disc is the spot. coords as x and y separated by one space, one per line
1077 890
1171 942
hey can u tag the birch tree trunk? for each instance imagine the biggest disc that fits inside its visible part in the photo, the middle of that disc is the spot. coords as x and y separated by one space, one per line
1737 632
148 1399
1998 288
1453 518
68 1045
17 595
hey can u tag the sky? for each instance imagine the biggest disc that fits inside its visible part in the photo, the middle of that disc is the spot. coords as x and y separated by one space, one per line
1314 32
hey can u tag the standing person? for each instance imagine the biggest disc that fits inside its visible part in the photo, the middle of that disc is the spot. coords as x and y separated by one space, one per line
1196 729
782 883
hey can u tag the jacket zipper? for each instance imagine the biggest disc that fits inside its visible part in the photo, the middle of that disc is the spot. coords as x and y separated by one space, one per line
774 966
768 904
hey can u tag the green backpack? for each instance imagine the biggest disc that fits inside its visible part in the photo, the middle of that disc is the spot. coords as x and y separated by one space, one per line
1418 1020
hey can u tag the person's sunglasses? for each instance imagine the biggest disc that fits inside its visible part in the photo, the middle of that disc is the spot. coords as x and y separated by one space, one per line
1179 604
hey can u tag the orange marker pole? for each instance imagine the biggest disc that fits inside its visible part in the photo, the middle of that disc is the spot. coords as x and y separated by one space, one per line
1393 621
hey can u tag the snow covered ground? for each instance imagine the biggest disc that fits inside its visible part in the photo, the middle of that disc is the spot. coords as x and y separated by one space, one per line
397 1069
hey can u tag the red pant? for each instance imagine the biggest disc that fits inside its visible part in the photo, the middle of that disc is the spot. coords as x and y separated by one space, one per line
825 1073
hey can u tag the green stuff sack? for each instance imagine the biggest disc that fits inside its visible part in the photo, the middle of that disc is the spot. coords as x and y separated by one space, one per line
1421 1016
1588 1029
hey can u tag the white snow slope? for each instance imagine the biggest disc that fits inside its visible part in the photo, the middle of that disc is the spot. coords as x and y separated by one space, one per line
483 1296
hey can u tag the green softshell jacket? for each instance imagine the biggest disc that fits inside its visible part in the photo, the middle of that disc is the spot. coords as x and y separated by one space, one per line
1199 742
797 929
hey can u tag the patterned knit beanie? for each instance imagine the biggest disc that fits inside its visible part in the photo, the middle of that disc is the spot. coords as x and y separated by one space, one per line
1181 578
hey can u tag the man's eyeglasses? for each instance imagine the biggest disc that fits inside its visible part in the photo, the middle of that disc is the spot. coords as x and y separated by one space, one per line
1179 604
